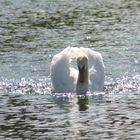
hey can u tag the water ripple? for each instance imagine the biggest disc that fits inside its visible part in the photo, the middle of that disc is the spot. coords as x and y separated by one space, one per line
31 32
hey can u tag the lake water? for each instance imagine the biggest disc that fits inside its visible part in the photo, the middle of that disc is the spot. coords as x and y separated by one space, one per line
31 32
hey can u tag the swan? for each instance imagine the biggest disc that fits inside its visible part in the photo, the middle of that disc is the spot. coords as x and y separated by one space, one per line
88 76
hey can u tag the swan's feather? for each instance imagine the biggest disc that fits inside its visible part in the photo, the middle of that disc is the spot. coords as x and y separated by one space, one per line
64 77
96 69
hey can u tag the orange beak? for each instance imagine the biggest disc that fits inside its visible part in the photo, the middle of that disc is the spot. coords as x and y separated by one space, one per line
81 74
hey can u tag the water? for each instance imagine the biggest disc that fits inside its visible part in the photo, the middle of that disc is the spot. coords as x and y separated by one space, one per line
31 32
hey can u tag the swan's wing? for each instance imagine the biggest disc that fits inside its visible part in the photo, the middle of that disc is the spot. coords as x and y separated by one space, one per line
96 69
63 78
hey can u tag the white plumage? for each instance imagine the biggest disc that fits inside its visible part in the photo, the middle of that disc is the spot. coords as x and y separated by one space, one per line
65 77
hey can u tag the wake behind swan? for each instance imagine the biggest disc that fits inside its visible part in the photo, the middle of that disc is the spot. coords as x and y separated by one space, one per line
89 74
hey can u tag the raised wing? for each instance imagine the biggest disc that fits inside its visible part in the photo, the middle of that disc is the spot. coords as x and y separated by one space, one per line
96 70
61 74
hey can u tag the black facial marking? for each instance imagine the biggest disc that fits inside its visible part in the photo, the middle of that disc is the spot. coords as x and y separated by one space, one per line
81 69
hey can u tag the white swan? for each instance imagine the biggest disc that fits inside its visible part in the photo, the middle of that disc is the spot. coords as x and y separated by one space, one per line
89 74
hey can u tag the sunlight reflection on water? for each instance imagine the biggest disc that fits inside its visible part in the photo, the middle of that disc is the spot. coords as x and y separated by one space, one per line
31 32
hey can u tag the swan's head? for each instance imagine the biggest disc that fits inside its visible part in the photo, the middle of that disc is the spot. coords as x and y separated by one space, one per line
82 81
82 63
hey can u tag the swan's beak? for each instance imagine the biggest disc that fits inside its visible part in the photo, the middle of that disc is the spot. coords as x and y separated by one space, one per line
81 74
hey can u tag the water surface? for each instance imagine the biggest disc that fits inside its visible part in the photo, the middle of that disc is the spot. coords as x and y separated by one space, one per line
31 32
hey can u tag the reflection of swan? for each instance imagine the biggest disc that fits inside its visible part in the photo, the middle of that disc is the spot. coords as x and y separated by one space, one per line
89 76
83 103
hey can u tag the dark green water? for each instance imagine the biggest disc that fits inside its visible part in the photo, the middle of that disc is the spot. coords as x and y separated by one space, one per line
31 32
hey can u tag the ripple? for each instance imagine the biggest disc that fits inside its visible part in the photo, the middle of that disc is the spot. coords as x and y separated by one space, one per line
31 32
34 114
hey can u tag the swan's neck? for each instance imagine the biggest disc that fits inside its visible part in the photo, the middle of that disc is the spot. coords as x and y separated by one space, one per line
82 82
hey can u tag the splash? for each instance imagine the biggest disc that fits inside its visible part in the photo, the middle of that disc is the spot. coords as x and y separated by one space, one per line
43 86
123 85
